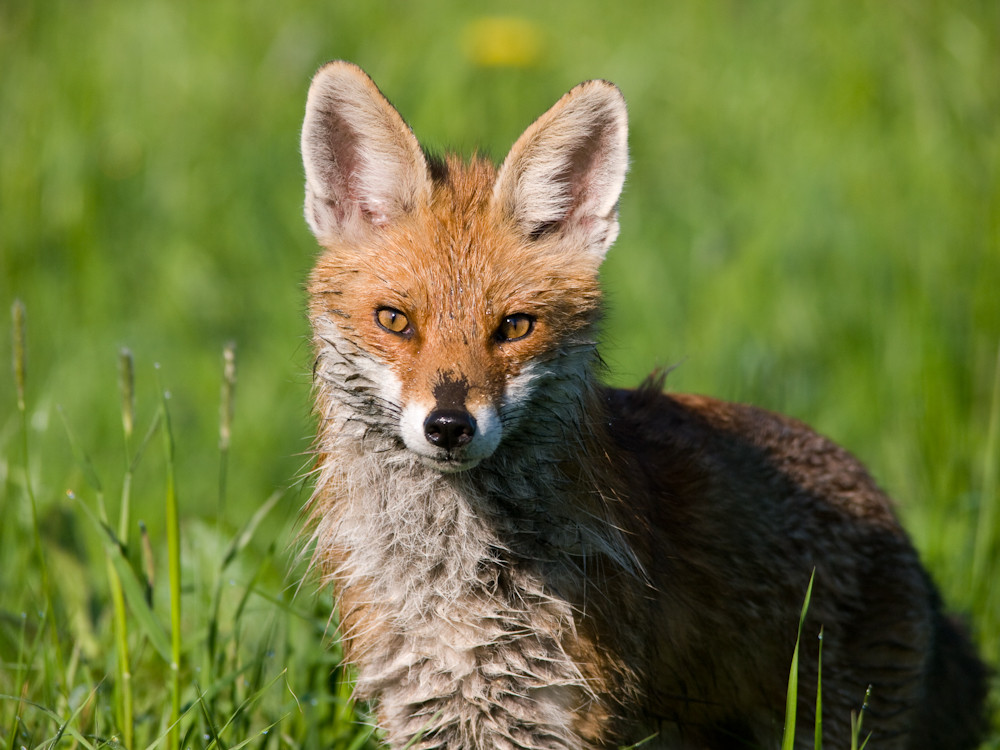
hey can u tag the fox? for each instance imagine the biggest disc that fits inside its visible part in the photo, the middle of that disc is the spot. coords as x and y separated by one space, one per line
524 557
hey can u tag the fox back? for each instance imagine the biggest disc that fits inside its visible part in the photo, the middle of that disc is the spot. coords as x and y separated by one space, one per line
524 558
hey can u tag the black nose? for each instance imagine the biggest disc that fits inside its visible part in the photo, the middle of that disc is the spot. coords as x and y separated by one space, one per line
449 428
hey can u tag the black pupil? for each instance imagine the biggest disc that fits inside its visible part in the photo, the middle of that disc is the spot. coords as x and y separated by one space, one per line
514 326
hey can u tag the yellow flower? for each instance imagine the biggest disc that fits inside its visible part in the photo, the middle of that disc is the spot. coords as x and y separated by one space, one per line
502 41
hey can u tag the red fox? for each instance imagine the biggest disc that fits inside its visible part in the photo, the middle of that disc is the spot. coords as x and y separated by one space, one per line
525 558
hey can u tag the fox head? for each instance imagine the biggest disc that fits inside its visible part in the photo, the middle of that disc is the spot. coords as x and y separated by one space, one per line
454 303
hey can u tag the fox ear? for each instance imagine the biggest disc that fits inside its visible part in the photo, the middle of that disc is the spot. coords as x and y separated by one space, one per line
363 165
565 173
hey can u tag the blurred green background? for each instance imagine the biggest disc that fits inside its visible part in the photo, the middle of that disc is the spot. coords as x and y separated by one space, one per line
811 223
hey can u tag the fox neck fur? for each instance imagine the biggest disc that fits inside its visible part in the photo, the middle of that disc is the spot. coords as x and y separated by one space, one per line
454 586
465 584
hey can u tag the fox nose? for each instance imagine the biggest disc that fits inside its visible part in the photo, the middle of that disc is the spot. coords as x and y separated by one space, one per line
449 428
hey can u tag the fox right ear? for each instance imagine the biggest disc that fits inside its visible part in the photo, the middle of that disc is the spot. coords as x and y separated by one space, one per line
566 172
363 165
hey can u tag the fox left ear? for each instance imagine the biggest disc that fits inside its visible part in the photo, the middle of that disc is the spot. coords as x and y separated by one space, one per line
566 172
363 165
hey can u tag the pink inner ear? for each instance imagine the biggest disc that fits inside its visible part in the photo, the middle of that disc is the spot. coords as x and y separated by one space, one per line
342 170
587 172
376 212
333 150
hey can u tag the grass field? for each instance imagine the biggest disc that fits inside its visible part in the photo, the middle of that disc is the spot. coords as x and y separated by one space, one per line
811 224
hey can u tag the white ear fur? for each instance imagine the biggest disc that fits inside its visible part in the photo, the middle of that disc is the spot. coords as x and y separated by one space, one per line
363 165
567 170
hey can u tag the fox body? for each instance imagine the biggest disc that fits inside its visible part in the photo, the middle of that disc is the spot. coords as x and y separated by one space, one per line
524 558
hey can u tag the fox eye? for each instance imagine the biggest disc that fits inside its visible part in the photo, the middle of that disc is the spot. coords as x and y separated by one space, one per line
392 320
515 327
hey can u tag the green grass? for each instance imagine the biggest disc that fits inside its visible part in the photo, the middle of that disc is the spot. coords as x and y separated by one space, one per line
811 223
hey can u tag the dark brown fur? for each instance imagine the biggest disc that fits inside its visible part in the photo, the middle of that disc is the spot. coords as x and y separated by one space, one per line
752 502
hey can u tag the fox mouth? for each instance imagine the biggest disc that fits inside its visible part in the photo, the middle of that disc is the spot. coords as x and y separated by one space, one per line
449 463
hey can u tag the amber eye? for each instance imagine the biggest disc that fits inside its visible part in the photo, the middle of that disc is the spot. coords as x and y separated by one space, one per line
515 327
392 320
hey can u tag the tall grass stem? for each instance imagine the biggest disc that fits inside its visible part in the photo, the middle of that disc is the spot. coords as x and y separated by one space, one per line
818 741
19 324
174 576
126 703
126 381
856 722
226 406
123 684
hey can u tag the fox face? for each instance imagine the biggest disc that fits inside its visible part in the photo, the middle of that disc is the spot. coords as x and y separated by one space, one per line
452 295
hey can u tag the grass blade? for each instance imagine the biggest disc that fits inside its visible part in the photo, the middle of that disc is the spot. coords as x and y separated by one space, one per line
63 725
126 381
126 378
125 702
253 698
226 417
856 720
86 465
114 547
791 701
19 326
133 590
212 731
239 542
818 741
174 576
